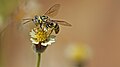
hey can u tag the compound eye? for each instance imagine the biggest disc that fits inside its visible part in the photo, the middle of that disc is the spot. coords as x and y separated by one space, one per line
33 20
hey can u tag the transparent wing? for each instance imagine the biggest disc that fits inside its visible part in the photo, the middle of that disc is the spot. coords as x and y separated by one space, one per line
53 10
61 22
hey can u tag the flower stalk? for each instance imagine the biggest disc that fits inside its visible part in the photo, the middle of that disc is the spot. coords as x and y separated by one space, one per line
41 38
38 61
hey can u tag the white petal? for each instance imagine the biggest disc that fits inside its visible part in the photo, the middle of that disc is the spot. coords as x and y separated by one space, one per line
32 34
34 41
44 44
49 42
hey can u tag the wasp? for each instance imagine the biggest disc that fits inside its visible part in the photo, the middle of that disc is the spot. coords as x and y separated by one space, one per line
45 21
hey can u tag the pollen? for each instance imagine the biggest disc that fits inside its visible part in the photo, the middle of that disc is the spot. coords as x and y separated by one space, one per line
41 36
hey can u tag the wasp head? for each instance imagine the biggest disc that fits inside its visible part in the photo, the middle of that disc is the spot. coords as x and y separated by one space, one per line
36 20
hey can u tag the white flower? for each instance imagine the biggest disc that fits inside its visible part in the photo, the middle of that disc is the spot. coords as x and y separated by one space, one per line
40 36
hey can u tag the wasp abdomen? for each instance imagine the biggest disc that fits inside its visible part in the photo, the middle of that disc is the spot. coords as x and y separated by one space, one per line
56 28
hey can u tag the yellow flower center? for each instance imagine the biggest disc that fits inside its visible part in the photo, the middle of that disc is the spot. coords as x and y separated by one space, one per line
41 36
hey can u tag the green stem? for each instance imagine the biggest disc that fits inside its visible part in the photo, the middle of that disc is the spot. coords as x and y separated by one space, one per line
38 62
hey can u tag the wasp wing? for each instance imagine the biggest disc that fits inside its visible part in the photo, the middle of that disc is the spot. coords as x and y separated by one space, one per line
61 22
53 10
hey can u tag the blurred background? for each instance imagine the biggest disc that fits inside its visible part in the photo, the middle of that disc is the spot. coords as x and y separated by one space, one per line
95 23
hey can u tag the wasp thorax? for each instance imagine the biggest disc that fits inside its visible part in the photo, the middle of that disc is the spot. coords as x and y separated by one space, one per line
44 18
